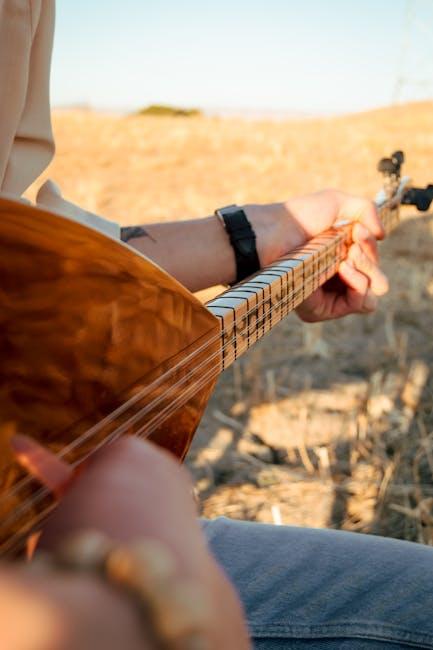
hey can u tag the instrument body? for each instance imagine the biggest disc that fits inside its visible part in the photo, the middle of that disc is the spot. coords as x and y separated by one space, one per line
96 341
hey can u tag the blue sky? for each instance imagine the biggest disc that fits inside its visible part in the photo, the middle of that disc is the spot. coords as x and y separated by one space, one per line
288 55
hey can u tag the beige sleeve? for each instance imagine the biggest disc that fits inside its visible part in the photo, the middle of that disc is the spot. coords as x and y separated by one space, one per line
26 140
49 196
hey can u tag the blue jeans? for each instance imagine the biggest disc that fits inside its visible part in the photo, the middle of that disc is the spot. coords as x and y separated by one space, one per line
305 588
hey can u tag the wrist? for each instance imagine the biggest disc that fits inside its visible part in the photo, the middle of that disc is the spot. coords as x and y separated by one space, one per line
276 230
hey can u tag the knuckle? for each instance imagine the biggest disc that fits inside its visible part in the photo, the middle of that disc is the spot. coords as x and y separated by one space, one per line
371 250
330 191
368 205
366 264
369 243
333 195
368 211
355 254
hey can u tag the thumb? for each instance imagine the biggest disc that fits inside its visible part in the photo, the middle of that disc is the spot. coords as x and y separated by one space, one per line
42 464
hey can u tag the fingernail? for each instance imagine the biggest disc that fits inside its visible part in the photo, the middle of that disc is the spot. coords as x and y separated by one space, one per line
380 283
385 284
370 301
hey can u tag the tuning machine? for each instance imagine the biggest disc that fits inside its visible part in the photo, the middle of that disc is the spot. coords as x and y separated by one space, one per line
420 197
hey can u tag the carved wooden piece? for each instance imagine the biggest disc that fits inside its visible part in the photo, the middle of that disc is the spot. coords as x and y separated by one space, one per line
96 342
89 331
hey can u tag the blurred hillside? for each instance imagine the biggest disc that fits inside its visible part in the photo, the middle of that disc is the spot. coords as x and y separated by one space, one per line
146 168
325 425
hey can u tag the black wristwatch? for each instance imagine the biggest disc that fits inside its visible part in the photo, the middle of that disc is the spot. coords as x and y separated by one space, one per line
242 238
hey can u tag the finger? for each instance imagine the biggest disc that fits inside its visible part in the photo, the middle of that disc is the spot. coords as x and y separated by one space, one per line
377 279
42 464
314 308
362 236
370 218
356 209
116 495
359 298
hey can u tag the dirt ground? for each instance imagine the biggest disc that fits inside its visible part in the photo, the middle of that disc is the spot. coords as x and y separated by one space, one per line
325 425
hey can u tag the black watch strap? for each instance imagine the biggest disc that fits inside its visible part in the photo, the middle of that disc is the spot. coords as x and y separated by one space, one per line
242 238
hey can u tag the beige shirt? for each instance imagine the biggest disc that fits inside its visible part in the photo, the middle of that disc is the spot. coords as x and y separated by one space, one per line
26 138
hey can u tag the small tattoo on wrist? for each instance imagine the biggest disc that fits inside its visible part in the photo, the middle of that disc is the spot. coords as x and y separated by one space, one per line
133 232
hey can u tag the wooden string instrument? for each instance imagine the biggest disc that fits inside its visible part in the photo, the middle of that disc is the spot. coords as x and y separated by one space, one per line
97 342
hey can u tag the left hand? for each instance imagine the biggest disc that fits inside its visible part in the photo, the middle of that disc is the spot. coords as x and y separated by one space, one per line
359 282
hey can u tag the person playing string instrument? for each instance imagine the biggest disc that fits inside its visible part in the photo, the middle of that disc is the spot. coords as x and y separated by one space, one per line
125 572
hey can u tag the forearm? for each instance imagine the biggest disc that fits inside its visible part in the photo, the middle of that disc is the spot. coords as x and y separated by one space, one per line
195 252
198 252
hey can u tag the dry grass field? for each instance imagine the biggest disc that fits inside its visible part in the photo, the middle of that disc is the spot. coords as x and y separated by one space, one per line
324 425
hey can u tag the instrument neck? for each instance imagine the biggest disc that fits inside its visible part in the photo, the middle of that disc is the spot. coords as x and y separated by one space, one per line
249 310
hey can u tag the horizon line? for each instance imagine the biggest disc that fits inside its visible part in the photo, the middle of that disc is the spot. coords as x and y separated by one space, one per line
240 112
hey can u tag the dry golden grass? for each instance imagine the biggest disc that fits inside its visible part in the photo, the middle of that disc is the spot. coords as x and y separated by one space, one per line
137 169
327 425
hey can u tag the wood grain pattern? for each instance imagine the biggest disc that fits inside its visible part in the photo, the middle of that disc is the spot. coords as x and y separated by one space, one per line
95 341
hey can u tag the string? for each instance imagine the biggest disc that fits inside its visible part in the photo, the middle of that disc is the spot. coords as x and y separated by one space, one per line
289 298
14 541
150 427
183 397
319 251
169 409
193 388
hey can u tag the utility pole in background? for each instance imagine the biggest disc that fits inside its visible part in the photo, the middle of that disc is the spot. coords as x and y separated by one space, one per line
413 28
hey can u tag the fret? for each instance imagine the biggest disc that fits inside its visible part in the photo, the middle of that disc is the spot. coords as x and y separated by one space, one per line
263 285
237 343
252 298
226 318
249 310
319 264
278 277
291 269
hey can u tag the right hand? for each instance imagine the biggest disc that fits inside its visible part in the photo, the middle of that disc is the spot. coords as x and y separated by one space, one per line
131 490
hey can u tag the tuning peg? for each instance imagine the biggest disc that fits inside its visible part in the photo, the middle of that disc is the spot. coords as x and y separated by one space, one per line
391 166
386 166
398 157
420 197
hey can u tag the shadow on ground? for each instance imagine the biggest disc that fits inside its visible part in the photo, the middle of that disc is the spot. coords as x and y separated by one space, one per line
332 424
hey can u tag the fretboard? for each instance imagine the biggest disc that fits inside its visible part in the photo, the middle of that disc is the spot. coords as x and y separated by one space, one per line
249 310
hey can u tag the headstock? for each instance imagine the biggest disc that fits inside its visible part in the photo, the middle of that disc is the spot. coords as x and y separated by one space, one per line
420 197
